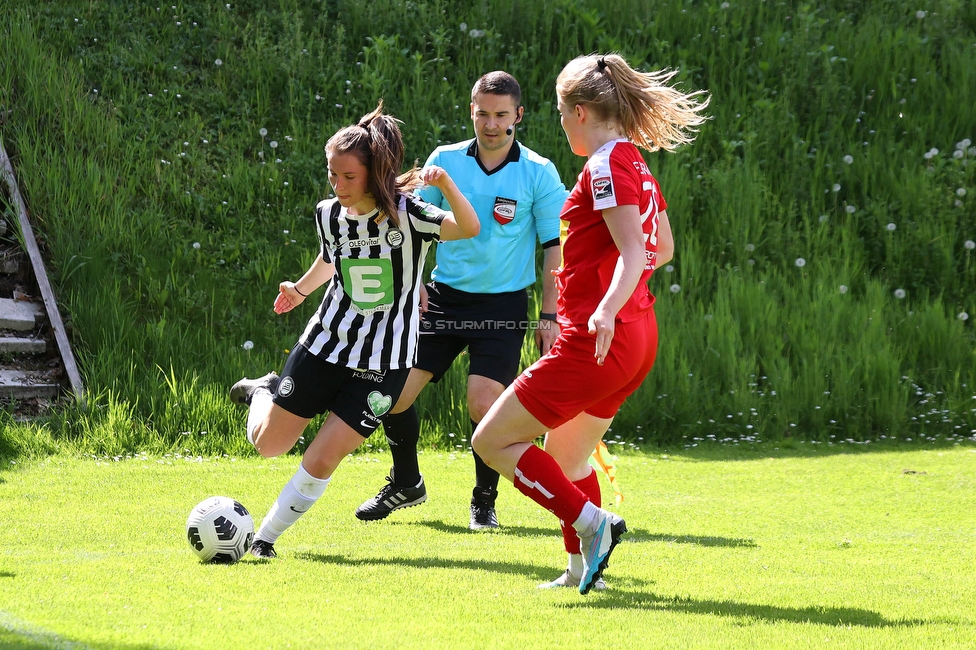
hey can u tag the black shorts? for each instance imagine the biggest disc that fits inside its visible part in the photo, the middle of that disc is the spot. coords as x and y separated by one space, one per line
310 386
490 325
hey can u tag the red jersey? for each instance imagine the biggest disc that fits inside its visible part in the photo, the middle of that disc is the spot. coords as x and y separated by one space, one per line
614 175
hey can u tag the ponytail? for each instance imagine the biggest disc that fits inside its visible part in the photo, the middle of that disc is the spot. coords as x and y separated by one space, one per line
652 113
377 142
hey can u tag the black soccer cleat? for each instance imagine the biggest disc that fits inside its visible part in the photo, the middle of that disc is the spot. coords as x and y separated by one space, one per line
391 497
243 391
262 549
483 509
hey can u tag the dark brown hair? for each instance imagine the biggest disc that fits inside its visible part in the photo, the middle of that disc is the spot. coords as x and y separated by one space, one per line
378 144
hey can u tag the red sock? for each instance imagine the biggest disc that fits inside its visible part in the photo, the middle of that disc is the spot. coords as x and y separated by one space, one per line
590 486
540 478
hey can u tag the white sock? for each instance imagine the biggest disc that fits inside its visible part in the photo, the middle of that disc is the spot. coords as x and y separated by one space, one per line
298 495
588 519
575 567
261 402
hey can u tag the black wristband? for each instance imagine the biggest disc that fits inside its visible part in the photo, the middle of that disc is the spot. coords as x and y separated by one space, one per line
303 295
544 315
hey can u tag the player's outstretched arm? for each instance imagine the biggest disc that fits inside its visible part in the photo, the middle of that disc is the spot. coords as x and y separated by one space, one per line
463 221
292 294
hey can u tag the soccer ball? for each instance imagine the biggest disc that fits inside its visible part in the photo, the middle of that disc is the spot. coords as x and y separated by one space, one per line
220 530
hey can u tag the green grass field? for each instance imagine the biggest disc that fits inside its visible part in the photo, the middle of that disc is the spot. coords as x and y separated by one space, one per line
761 547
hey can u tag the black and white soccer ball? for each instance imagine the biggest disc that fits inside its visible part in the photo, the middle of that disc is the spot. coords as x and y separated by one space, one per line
220 530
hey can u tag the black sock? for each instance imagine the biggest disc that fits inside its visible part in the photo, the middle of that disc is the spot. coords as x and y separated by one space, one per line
403 434
486 479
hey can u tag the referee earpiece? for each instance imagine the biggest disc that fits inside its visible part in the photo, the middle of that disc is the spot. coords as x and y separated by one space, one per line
510 130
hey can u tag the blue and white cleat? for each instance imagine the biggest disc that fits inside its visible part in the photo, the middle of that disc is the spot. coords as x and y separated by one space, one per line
596 548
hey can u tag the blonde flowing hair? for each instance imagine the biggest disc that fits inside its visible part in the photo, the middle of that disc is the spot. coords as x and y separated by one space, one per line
653 114
378 144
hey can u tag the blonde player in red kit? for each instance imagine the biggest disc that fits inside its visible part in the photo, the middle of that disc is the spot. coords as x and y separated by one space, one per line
618 233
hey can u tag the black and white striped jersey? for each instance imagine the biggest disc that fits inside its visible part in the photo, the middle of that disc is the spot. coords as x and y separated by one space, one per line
369 318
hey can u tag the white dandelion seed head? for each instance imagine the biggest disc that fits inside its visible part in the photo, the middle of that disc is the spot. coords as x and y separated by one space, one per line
900 293
669 268
463 27
836 187
963 316
969 244
958 154
247 345
800 262
823 218
750 247
843 288
851 209
218 63
196 245
962 144
263 131
920 14
725 5
751 262
260 154
675 288
891 227
273 144
961 192
848 159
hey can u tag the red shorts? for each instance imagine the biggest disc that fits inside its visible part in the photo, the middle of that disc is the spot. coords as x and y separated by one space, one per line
568 381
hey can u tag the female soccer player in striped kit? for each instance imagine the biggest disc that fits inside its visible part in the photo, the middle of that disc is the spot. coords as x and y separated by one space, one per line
618 233
357 350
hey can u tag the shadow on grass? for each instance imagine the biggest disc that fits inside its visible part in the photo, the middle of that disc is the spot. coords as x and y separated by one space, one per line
530 571
7 574
638 535
823 615
634 535
519 568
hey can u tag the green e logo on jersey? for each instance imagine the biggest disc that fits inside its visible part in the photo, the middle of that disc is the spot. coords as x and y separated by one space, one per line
369 282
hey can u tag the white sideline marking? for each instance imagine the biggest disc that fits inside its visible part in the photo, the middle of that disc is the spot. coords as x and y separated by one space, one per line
36 634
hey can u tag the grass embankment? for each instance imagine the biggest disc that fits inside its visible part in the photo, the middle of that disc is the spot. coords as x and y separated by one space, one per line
824 280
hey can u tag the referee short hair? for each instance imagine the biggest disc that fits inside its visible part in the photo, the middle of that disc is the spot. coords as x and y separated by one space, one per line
498 83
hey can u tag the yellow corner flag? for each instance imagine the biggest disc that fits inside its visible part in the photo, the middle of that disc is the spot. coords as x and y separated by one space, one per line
601 459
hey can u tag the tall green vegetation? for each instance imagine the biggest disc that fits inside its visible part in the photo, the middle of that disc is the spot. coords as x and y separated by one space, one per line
824 285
